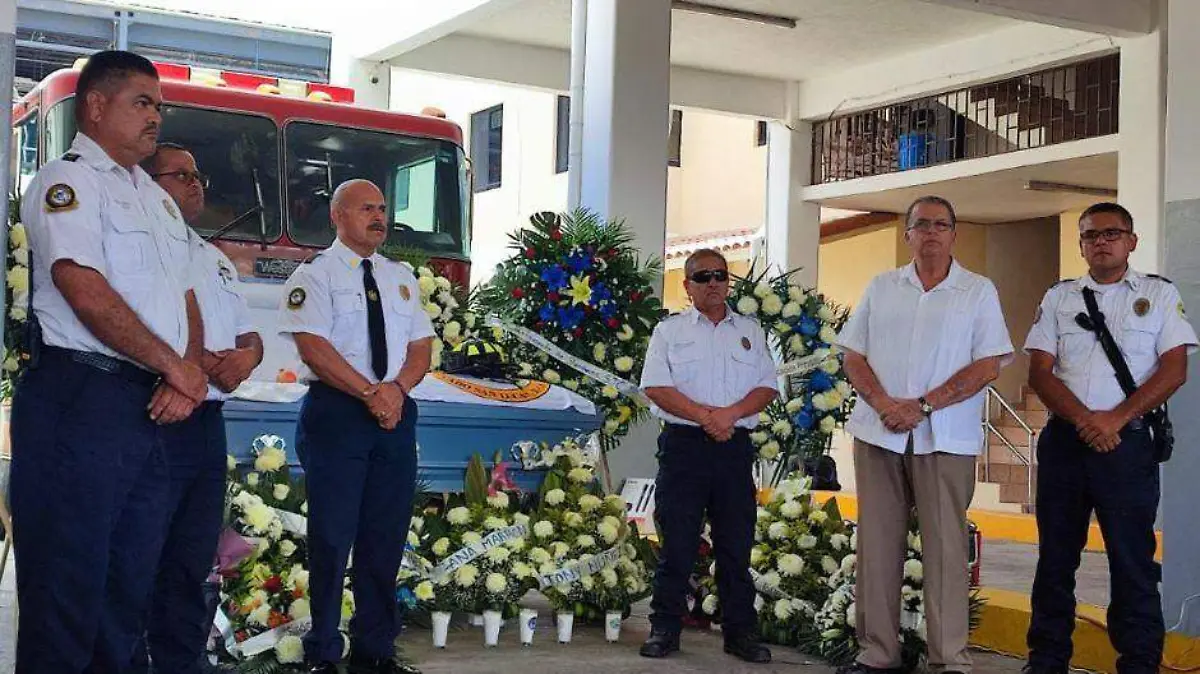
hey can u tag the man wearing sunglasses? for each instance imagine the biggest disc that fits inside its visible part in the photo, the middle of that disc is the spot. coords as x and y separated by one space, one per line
181 613
919 348
708 374
1096 455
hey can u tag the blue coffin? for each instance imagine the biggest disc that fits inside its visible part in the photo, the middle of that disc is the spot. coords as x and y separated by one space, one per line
447 435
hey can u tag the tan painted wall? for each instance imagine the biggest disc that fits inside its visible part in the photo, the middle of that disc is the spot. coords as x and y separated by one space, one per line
1022 261
722 180
1070 261
971 246
849 262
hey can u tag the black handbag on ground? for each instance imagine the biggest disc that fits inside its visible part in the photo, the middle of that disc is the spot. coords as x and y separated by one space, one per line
1162 434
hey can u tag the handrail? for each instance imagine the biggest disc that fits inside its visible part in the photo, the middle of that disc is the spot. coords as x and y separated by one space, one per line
989 427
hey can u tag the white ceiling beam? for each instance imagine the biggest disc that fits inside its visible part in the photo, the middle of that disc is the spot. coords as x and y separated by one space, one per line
1122 18
424 21
548 68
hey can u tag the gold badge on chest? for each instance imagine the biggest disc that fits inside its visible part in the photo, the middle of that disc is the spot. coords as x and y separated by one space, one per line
405 293
1141 306
746 343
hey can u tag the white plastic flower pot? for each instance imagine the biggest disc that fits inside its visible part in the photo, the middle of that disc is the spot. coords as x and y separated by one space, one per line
612 626
441 625
491 628
566 625
476 620
528 626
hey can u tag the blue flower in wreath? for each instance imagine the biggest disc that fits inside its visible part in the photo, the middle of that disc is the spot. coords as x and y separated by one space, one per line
608 309
547 313
803 420
579 262
406 598
820 382
601 292
570 317
810 326
554 276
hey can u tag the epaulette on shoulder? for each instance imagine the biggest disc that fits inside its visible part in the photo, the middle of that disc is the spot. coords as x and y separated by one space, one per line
311 258
71 157
1066 280
1164 279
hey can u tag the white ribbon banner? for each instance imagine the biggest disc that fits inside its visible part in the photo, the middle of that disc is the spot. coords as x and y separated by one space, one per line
267 640
225 629
763 585
576 570
467 554
801 365
550 349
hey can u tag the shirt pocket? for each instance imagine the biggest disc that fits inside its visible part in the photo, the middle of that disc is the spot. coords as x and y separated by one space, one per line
349 321
1139 340
398 317
744 372
128 241
685 359
1075 343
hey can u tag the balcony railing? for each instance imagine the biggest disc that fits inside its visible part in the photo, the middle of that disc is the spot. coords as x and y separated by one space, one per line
1057 105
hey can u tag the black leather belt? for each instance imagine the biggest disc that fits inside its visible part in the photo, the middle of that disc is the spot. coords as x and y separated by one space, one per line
107 364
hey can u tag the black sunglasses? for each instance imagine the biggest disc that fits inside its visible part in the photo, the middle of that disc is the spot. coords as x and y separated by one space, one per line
184 177
706 275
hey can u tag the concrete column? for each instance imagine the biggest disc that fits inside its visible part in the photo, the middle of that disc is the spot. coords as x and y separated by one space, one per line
371 80
625 123
8 54
1180 245
1142 150
626 118
793 226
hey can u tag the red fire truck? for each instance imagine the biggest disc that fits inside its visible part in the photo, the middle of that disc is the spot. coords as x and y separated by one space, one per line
274 150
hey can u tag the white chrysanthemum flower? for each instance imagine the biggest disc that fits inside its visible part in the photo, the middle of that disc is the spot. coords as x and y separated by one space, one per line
762 515
796 345
498 500
782 428
599 351
818 517
588 503
759 437
551 376
783 609
441 547
466 575
471 538
839 541
543 529
560 549
280 492
914 541
300 609
259 517
747 306
260 615
498 554
623 364
496 583
772 305
829 565
792 309
914 570
251 479
769 451
791 509
572 519
579 475
796 293
289 650
756 555
825 313
555 497
828 424
585 542
790 565
270 459
710 604
794 405
494 523
608 532
778 531
458 516
849 563
827 334
762 290
807 542
521 570
609 577
423 591
539 556
416 524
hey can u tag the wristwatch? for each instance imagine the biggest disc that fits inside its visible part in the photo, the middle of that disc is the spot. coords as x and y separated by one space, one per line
926 408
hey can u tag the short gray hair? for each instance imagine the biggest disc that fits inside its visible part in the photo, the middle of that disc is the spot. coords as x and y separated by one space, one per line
696 256
934 200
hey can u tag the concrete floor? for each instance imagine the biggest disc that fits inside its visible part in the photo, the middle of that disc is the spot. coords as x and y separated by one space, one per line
1005 565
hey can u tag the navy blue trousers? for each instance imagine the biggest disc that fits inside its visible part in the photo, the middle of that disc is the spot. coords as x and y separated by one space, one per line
89 491
360 481
179 618
696 476
1122 488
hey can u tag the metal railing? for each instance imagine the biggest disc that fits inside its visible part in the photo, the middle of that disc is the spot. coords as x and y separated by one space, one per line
1055 105
990 429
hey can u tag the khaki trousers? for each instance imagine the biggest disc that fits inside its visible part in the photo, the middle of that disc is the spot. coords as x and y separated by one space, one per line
889 485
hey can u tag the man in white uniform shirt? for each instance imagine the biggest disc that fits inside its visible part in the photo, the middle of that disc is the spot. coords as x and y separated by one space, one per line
110 272
180 619
708 373
920 348
1096 454
358 323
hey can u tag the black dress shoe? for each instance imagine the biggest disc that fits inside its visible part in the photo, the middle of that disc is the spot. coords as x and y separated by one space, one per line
1039 669
660 644
324 668
747 648
860 668
379 666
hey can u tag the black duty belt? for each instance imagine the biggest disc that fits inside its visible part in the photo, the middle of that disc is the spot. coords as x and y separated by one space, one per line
98 361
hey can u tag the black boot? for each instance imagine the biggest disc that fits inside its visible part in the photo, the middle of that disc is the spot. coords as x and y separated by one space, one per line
747 648
660 644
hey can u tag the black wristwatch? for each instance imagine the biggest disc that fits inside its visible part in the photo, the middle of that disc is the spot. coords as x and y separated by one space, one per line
926 408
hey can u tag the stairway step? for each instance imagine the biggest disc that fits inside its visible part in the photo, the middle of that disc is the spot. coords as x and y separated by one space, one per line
1014 492
1001 454
1014 433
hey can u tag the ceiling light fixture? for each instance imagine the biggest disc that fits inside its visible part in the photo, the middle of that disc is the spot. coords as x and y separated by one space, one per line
1046 186
730 13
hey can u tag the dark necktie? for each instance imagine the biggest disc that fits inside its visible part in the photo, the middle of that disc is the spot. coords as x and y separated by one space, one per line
375 331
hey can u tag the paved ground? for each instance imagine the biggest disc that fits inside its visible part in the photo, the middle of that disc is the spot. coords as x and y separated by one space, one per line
1005 565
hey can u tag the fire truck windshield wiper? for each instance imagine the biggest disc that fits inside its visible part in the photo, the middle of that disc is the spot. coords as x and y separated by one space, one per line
258 209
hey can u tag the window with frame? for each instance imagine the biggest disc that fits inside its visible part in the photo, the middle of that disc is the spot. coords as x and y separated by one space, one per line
675 138
562 134
487 147
25 153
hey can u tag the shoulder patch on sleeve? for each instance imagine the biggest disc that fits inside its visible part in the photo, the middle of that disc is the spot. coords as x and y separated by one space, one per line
60 197
1066 280
312 258
71 156
1160 278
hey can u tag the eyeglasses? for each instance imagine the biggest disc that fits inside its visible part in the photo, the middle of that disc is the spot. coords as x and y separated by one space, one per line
184 177
926 226
706 275
1094 235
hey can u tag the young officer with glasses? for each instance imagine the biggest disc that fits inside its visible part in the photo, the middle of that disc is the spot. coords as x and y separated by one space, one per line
1096 454
708 374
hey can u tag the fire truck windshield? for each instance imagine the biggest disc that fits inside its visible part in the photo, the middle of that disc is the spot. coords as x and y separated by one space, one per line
423 180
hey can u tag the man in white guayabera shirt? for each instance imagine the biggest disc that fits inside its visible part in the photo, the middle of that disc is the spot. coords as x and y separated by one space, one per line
920 348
